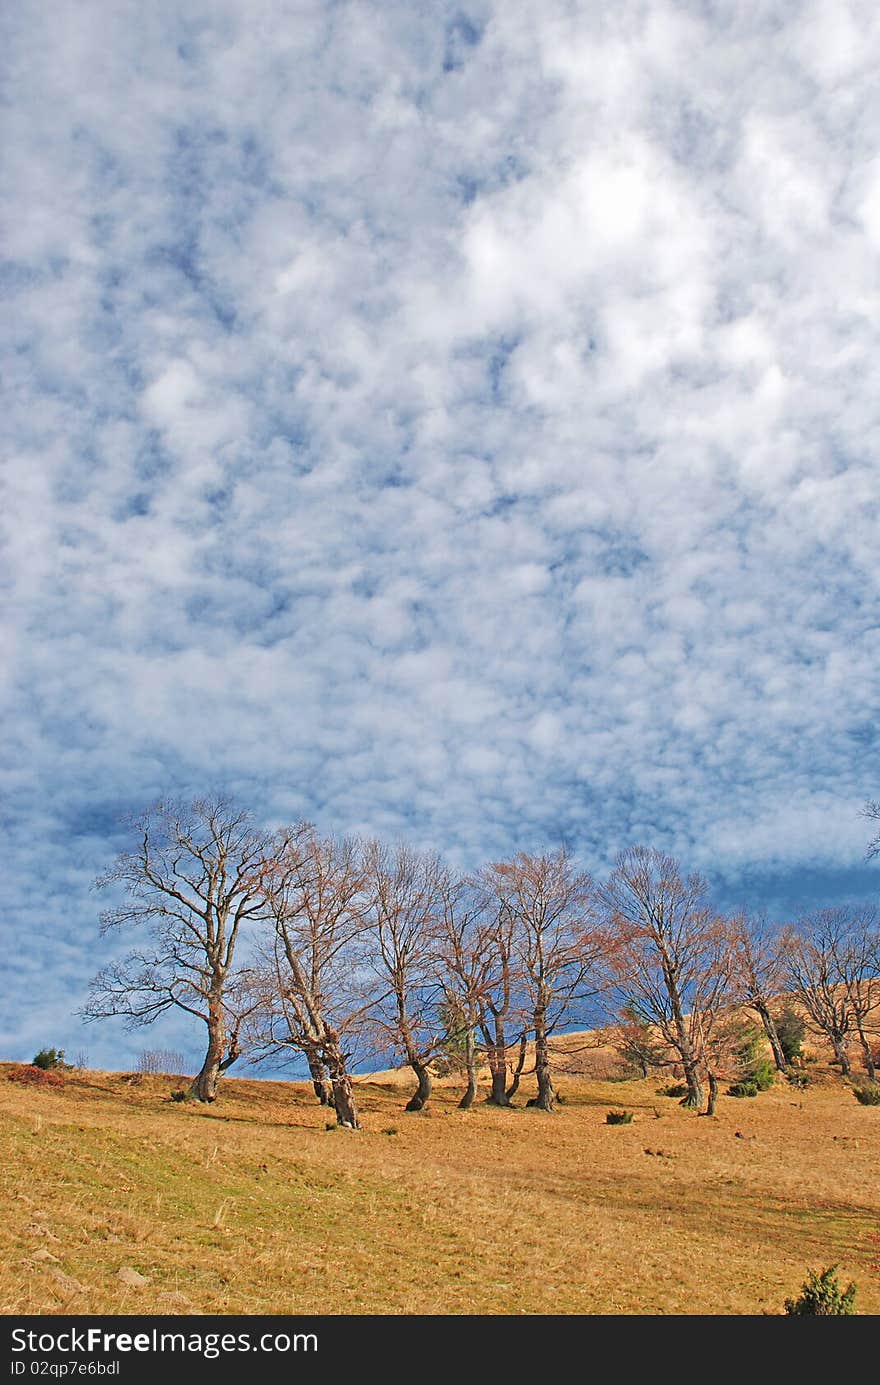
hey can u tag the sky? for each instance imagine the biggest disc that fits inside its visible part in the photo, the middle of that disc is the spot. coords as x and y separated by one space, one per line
451 422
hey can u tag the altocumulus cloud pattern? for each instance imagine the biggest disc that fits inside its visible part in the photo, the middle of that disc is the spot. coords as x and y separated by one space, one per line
453 421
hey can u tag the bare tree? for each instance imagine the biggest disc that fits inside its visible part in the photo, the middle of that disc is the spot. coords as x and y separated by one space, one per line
551 910
638 1043
757 958
857 954
152 1061
310 1002
669 955
463 959
501 1001
407 894
811 963
192 881
871 811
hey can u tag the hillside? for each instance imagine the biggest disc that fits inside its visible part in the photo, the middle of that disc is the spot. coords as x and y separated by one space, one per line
118 1200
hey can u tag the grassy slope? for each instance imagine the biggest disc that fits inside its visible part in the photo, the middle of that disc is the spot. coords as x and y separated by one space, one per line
251 1206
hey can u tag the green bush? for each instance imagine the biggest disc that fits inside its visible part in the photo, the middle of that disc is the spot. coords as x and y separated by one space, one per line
822 1297
801 1080
678 1089
757 1073
49 1058
745 1087
868 1094
791 1030
618 1117
763 1074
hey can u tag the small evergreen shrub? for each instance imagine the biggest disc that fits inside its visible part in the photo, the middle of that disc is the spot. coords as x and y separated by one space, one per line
618 1117
745 1087
757 1073
678 1089
179 1094
791 1030
822 1297
868 1094
763 1074
798 1079
49 1058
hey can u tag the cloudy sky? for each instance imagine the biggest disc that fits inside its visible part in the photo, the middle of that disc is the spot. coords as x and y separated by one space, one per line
449 421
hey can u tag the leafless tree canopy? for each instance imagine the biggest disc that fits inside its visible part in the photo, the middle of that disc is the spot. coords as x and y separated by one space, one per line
160 1060
357 947
408 892
758 974
190 884
310 991
831 964
547 910
670 956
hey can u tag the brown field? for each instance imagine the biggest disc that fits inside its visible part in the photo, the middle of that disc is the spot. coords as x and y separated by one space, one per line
252 1206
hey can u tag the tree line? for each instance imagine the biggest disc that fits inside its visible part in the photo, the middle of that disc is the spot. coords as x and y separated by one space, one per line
294 942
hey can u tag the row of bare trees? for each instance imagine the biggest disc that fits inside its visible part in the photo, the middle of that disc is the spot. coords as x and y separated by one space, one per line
335 951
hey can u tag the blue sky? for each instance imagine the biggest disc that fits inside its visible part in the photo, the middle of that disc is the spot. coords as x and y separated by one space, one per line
456 422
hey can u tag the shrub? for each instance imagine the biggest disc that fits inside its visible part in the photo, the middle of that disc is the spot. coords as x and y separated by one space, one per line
678 1089
801 1080
763 1074
32 1076
179 1094
618 1117
791 1030
49 1058
757 1074
868 1094
746 1087
822 1297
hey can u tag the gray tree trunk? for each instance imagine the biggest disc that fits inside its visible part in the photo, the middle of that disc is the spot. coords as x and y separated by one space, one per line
422 1094
767 1021
546 1095
496 1054
841 1055
470 1049
694 1099
518 1070
321 1083
204 1084
713 1094
341 1086
870 1065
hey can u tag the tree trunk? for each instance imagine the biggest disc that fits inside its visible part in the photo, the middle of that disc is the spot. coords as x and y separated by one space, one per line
496 1055
841 1055
341 1086
421 1095
320 1082
545 1101
518 1070
870 1066
713 1094
470 1049
204 1084
694 1099
770 1030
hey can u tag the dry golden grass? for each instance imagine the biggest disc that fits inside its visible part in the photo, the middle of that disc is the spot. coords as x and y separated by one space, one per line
117 1200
